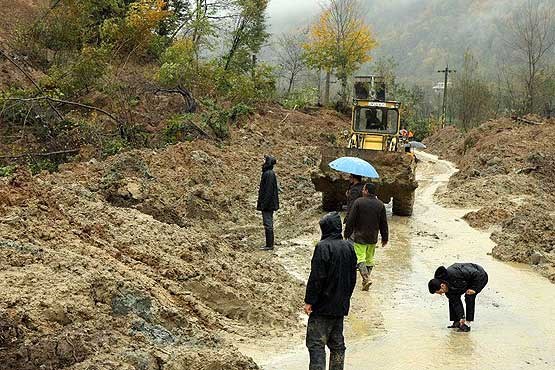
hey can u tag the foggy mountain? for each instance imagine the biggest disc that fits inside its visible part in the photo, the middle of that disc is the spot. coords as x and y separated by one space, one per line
422 35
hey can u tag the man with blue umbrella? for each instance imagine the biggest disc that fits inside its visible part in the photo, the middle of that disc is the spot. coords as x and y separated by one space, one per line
354 192
366 218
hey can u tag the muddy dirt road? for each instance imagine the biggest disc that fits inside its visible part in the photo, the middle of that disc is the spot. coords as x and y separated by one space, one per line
399 325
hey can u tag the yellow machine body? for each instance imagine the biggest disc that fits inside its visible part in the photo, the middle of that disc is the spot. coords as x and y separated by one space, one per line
375 125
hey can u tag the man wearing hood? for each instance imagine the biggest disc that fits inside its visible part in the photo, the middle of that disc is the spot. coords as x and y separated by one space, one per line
328 293
458 279
268 200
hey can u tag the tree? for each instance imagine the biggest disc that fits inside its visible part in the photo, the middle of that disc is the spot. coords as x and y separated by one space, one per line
290 56
531 36
249 33
340 41
471 97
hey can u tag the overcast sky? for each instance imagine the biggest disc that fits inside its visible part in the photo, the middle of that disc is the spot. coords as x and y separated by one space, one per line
288 13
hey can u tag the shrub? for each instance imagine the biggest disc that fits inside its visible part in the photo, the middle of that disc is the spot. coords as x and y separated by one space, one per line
83 72
179 129
114 146
44 164
240 110
301 99
6 171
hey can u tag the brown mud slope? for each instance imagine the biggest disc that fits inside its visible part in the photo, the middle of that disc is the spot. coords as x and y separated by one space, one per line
506 172
16 14
144 260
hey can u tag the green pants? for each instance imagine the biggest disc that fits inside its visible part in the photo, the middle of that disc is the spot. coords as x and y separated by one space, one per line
365 253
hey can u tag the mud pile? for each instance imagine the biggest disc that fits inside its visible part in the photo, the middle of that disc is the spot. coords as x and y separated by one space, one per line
148 260
506 172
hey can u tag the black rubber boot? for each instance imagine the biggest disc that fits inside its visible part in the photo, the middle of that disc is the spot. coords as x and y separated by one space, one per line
269 241
464 328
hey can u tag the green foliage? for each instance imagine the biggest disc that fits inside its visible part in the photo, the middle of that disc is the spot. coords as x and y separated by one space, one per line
82 72
43 164
178 129
248 35
301 98
421 128
77 40
471 98
114 146
178 64
238 87
184 127
217 118
180 13
6 171
240 110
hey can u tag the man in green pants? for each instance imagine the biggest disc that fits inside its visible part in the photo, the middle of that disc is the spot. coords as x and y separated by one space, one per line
366 217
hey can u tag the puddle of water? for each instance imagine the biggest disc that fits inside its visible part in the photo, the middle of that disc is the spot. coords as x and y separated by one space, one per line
399 325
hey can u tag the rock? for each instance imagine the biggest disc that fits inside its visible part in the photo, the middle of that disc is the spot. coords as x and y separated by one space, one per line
537 258
123 192
135 190
475 173
132 301
495 161
156 333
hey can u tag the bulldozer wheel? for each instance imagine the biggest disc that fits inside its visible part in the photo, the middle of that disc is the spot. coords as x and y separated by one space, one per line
402 205
330 202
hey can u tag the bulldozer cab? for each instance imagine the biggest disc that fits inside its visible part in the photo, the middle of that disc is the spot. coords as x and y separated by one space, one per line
375 121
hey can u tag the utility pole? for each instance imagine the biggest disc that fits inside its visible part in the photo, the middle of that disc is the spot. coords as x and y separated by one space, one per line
446 71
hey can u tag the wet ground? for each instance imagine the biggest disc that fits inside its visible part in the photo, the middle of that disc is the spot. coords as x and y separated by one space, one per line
399 325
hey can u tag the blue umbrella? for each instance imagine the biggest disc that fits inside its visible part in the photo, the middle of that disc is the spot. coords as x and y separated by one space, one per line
354 165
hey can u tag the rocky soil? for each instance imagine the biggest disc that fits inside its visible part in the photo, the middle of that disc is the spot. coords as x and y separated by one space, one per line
506 174
149 259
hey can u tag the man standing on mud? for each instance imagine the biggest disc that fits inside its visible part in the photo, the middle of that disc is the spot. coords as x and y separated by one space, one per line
366 218
268 200
328 293
458 279
354 192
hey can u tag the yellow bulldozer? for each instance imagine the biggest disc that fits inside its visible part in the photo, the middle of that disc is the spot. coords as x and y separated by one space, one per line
374 136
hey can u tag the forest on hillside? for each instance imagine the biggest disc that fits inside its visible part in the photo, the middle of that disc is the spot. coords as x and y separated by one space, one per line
112 75
502 51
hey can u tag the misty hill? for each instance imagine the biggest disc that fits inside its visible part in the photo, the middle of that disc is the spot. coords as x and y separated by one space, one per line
422 35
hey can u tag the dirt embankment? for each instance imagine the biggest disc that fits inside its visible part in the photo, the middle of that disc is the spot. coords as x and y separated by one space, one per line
506 172
143 260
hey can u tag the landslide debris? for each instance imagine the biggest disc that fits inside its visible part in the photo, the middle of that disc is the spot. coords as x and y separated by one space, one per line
506 172
147 260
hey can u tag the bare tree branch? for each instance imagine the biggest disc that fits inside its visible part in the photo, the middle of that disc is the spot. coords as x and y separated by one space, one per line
49 99
16 156
10 59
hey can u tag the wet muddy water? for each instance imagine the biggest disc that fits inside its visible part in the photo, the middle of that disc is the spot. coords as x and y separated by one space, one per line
399 325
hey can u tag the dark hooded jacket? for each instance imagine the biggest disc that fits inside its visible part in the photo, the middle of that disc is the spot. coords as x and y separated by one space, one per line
268 199
462 276
333 271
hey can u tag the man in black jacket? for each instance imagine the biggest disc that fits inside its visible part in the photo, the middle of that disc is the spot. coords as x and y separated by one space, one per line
328 293
354 192
458 279
366 218
268 200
